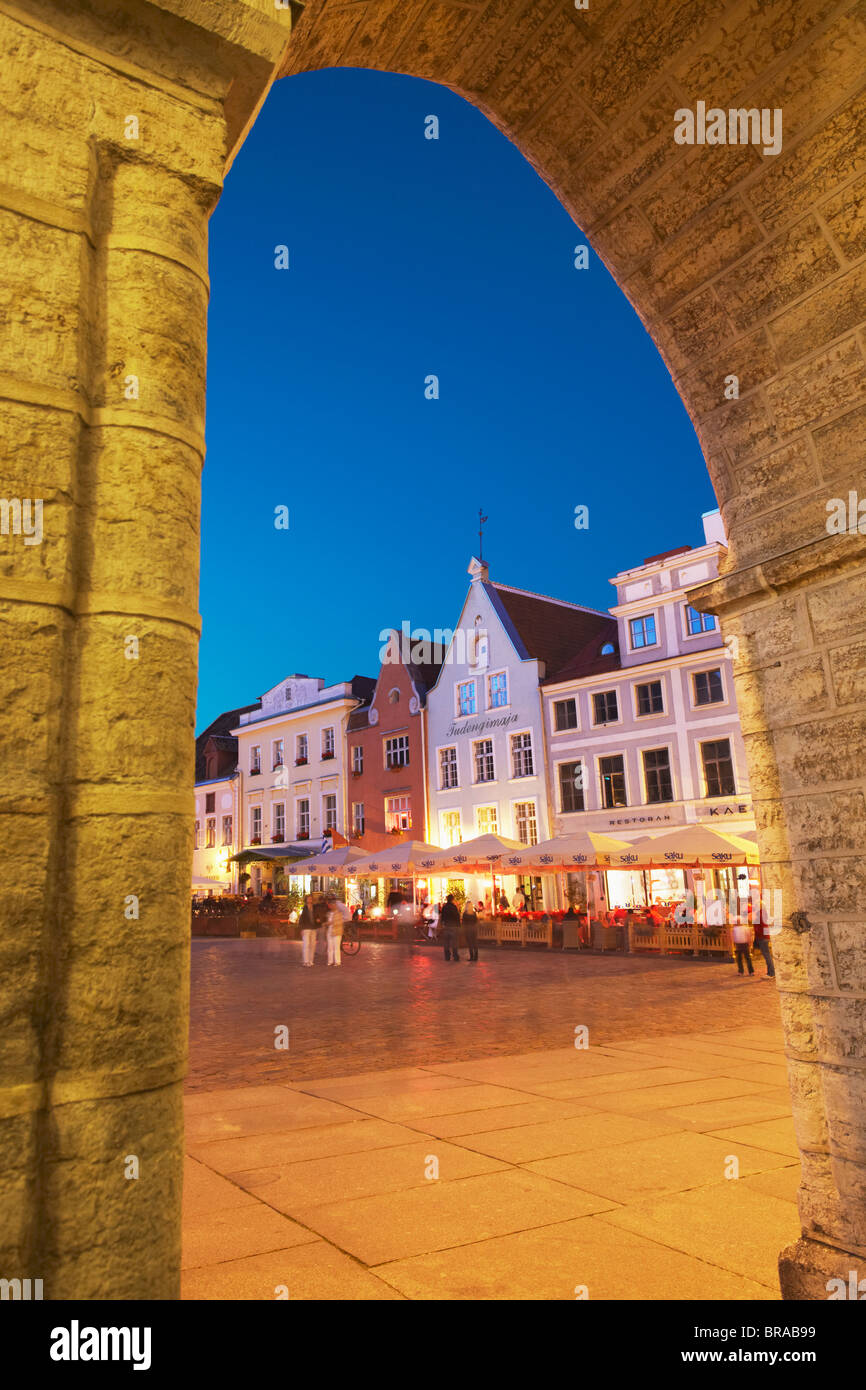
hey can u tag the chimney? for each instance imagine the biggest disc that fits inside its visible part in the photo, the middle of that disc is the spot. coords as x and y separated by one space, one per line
714 528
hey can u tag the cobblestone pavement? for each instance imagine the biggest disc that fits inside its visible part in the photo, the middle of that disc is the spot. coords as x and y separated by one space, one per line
395 1006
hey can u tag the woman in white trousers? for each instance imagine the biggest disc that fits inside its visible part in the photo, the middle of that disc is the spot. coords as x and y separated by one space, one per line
338 915
308 932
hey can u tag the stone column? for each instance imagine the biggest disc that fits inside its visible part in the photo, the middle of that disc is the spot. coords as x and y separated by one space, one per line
121 119
797 629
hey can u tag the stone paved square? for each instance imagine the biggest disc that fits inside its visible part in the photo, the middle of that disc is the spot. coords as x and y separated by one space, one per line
433 1132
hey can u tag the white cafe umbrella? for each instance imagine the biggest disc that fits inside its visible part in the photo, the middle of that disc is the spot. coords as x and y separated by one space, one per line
690 847
407 857
338 862
565 854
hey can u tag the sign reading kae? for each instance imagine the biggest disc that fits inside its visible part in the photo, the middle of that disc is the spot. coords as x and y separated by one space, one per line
480 726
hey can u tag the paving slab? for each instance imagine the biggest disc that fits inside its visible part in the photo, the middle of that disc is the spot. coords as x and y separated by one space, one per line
647 1098
559 1262
783 1183
279 1147
737 1110
497 1117
777 1135
284 1110
404 1106
633 1171
213 1237
591 1131
204 1191
315 1271
298 1186
726 1224
439 1215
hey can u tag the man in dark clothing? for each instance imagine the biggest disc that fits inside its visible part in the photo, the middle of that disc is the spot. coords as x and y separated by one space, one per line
449 922
470 930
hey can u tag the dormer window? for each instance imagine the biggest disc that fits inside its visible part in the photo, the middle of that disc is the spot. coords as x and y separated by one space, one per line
608 649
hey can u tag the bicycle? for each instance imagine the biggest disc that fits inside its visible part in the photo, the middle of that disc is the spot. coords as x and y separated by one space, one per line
351 939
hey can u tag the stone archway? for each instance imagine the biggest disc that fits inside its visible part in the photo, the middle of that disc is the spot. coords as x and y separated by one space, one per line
122 119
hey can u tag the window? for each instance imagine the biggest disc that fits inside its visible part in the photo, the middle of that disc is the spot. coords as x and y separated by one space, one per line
398 813
657 775
397 751
277 749
521 755
255 759
497 691
209 802
197 841
228 829
279 820
303 812
483 754
466 698
256 825
708 687
302 749
486 820
718 768
612 772
524 819
328 744
696 622
607 649
564 714
605 709
451 833
571 786
210 832
358 758
357 818
447 768
329 806
649 698
643 632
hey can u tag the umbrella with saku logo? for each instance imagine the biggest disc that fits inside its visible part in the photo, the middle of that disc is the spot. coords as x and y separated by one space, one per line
691 847
408 858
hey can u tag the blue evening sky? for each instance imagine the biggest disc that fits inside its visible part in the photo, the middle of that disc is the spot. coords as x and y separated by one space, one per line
410 257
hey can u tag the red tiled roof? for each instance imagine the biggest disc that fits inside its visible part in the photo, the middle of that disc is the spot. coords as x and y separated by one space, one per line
555 632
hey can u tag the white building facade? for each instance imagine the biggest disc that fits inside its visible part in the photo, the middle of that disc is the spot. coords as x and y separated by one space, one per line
485 734
215 842
292 771
647 737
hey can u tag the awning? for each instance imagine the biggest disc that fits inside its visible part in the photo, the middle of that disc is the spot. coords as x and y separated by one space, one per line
269 854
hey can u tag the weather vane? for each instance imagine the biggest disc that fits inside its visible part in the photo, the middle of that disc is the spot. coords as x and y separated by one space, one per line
481 521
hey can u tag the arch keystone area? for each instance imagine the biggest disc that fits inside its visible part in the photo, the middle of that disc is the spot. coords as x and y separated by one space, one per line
739 263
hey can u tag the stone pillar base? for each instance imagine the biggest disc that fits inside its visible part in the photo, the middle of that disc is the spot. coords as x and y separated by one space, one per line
807 1267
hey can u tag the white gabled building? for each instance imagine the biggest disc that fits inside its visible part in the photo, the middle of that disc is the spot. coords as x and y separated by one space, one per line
487 757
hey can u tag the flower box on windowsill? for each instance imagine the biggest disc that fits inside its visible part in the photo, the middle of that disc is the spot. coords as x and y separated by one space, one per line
277 767
255 840
398 767
255 771
356 772
357 834
301 762
326 757
303 834
278 838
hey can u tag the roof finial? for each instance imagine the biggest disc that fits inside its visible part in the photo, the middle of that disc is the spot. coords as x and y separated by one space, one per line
481 521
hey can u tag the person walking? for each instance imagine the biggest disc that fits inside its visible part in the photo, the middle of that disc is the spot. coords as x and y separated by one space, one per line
741 935
449 921
470 930
307 923
761 924
338 915
321 913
